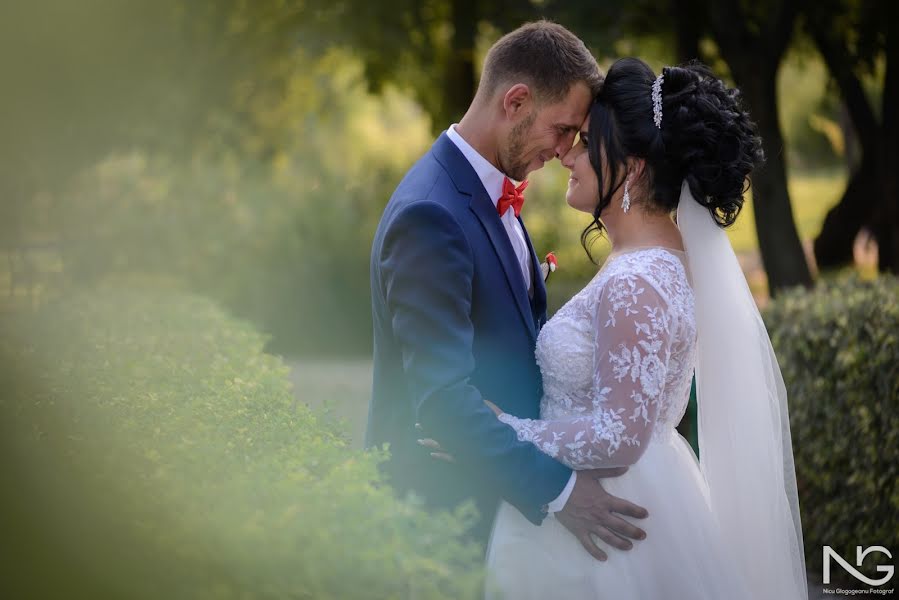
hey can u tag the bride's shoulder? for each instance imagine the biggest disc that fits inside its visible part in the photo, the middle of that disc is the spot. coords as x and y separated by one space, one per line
662 268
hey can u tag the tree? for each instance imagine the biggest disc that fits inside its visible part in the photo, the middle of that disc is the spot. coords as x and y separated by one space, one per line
412 36
227 54
752 38
850 35
428 47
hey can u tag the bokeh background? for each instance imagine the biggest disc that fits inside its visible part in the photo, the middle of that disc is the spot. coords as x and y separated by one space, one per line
188 193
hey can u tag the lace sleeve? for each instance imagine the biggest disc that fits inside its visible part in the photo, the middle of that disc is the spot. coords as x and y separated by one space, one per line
632 347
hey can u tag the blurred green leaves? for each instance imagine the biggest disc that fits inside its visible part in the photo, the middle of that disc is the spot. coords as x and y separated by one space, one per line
235 149
198 145
152 450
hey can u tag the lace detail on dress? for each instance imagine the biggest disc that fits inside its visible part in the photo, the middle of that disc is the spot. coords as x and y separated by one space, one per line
617 363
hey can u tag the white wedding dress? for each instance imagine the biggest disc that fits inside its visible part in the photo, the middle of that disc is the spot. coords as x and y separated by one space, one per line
617 363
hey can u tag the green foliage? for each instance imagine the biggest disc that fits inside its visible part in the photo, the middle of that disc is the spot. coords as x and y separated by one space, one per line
277 229
838 347
155 451
234 149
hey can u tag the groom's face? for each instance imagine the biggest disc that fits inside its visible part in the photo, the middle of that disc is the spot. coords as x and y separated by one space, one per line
547 131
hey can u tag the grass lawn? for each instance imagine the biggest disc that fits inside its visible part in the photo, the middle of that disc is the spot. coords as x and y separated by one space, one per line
341 387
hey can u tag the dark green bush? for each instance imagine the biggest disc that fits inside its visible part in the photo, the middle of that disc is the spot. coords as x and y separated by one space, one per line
152 450
838 348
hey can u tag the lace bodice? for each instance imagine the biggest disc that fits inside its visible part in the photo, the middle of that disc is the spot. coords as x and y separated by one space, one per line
617 363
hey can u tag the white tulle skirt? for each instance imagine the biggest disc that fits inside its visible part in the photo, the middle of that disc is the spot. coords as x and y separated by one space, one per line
682 557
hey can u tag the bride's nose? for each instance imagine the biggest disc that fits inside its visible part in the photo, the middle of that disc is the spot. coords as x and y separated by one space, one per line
567 159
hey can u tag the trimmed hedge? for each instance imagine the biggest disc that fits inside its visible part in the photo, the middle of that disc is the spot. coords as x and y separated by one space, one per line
152 450
838 348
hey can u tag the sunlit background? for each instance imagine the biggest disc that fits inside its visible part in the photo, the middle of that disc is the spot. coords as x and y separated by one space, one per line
188 193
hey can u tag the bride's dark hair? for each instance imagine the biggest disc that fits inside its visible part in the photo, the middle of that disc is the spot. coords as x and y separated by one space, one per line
707 138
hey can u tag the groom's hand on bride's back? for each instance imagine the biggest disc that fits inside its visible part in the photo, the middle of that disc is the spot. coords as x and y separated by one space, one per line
591 511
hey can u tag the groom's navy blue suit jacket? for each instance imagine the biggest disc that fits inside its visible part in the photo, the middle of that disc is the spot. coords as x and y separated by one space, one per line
453 325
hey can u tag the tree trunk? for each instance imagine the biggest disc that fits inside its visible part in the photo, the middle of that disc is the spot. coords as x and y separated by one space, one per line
753 44
687 29
834 244
887 224
461 79
782 254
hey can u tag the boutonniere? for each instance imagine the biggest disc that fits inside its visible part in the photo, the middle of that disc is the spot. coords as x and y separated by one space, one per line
549 266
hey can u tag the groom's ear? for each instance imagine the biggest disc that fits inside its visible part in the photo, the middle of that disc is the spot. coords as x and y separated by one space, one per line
517 101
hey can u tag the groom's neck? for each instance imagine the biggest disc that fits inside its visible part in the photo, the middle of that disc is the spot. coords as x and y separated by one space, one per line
478 129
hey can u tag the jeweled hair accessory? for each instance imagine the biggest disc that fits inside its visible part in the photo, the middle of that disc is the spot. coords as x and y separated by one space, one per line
657 100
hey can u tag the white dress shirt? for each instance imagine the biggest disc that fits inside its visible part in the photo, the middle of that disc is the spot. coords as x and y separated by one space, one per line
492 179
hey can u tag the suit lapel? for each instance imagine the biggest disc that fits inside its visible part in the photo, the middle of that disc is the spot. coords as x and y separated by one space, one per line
485 211
467 182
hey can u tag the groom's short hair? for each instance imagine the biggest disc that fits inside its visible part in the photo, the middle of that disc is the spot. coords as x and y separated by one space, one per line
545 56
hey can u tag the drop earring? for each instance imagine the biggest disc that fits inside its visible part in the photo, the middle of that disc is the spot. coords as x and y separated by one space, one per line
626 201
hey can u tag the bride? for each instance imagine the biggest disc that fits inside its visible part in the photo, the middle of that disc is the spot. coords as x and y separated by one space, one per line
618 359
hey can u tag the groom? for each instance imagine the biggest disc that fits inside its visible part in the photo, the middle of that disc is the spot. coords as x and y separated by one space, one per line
458 299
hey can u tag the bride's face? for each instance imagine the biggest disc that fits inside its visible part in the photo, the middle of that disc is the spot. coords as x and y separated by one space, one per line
583 186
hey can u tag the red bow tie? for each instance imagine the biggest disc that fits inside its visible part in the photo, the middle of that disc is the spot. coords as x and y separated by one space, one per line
512 196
